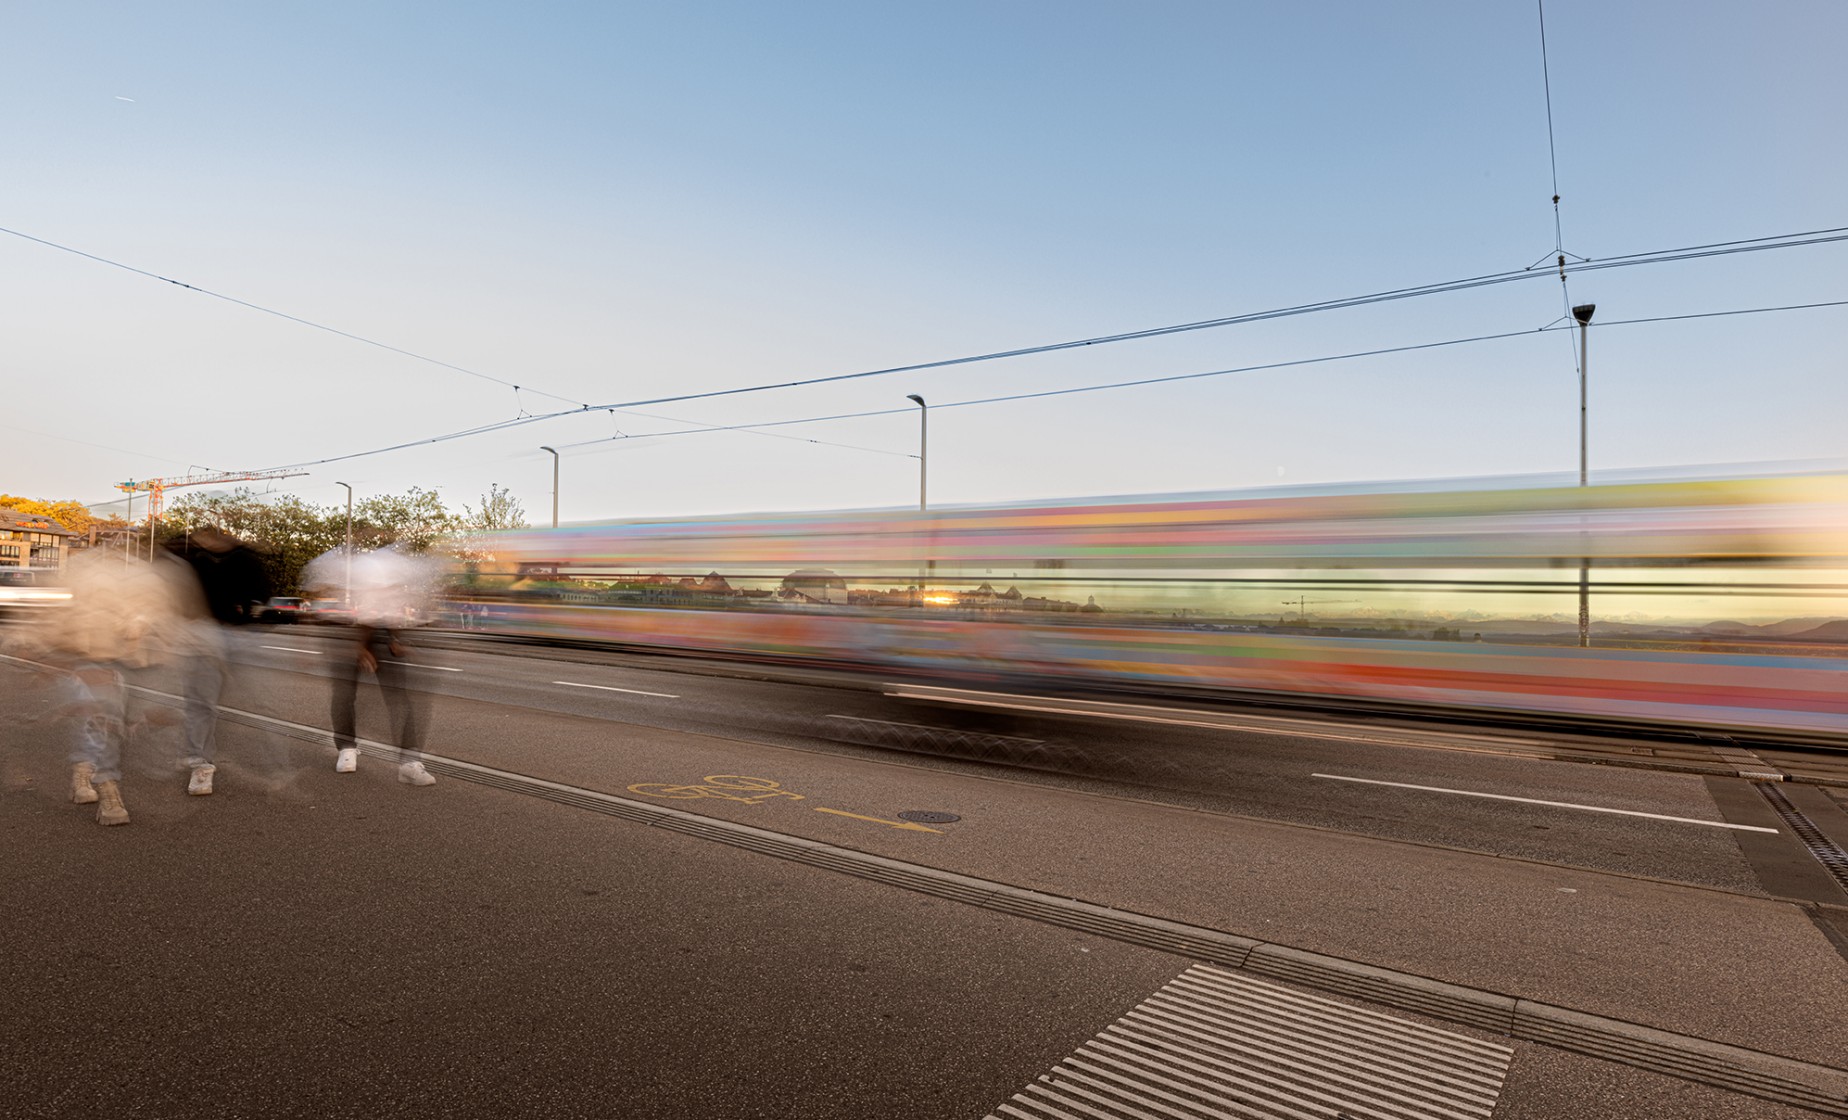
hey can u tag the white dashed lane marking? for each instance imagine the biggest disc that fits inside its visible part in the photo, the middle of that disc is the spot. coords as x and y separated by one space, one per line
613 688
1553 804
292 649
1214 1043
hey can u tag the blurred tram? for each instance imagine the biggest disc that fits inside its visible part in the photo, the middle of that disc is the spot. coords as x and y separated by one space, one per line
1715 604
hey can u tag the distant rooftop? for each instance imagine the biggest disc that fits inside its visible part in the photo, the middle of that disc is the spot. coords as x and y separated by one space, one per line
12 519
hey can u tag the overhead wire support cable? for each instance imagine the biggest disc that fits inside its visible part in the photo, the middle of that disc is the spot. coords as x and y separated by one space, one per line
1792 240
290 318
1136 383
1758 244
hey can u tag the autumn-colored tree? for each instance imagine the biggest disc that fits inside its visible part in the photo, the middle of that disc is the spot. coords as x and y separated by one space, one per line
68 512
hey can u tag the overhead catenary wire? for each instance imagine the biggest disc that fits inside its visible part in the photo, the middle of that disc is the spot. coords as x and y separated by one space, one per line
1075 389
1722 248
1072 390
1552 158
1759 244
1693 252
746 430
257 307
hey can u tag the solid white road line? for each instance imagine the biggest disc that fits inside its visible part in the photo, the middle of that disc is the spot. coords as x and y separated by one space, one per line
415 665
613 688
292 649
1554 804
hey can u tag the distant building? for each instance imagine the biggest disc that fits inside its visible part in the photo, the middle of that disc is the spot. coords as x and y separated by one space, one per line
814 585
30 541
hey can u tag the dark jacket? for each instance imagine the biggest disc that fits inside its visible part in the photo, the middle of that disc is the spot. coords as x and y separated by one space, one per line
232 580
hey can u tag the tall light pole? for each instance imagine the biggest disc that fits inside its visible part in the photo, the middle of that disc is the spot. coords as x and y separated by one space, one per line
1583 314
128 530
346 592
923 447
542 447
923 479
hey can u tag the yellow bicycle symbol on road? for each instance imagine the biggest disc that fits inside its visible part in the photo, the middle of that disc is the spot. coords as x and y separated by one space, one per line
725 787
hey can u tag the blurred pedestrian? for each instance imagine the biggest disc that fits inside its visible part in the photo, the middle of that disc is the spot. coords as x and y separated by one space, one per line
231 581
117 610
383 590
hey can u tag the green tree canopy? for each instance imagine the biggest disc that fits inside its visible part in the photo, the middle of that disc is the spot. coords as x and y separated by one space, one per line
289 532
499 510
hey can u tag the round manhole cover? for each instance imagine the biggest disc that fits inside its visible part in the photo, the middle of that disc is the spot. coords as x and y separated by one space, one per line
927 816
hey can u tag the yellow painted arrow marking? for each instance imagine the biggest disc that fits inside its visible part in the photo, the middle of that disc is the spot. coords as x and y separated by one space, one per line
882 820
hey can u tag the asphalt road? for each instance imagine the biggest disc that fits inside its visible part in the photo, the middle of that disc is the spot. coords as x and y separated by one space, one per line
1283 777
304 943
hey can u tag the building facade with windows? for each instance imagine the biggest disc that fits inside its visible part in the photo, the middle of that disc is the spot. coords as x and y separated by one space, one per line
30 541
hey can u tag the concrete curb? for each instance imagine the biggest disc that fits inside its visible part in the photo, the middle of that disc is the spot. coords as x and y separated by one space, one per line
1703 1061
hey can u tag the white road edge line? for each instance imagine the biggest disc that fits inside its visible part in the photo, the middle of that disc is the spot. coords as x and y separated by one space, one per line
613 688
292 649
1554 804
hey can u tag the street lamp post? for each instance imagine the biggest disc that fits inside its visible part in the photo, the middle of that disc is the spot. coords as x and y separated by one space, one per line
554 484
923 478
1583 314
923 447
346 592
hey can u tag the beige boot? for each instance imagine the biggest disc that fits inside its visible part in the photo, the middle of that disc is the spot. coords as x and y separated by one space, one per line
110 810
82 791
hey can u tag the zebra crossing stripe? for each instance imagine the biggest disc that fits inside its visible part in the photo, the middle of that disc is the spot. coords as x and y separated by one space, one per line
1216 1045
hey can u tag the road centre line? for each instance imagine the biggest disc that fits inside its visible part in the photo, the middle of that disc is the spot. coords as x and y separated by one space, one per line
1554 804
292 649
613 688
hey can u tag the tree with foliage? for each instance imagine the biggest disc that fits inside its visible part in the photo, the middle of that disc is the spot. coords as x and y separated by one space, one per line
289 532
68 512
414 520
499 510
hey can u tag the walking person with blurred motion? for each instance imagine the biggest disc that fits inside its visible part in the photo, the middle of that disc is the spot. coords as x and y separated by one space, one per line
117 612
230 579
382 592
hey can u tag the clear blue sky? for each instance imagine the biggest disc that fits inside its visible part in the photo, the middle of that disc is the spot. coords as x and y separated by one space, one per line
612 202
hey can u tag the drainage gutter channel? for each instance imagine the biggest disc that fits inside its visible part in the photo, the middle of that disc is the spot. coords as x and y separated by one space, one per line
1736 1068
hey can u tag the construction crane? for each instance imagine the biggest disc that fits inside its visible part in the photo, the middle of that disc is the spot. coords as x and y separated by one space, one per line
1301 604
157 488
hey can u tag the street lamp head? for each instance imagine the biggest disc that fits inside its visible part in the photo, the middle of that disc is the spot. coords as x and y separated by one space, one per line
1583 312
915 397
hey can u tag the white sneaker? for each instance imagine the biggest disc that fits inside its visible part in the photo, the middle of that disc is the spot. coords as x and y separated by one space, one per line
413 773
348 760
201 784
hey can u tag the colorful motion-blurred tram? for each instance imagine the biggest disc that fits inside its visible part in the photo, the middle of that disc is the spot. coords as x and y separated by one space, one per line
1716 602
